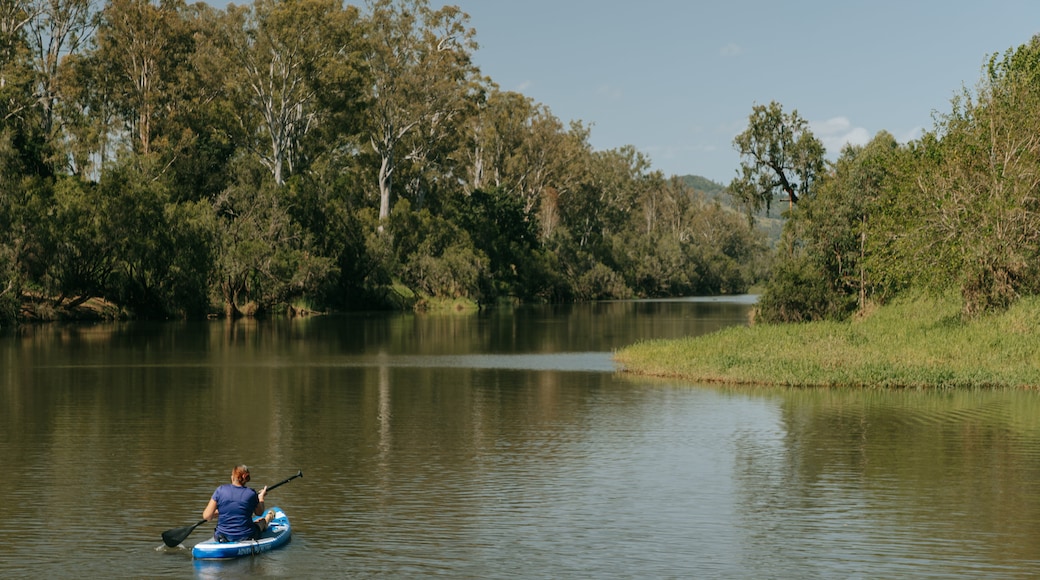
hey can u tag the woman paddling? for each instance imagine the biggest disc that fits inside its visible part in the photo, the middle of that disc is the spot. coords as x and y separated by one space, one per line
235 504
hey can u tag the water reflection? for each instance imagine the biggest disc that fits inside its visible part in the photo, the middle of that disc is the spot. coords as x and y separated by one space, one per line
498 445
922 481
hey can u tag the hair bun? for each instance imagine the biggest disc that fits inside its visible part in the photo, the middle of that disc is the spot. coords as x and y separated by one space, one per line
240 473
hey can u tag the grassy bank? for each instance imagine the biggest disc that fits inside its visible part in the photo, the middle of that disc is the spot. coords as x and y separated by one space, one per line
920 342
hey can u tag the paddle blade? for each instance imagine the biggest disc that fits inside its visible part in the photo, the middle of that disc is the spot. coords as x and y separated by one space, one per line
174 537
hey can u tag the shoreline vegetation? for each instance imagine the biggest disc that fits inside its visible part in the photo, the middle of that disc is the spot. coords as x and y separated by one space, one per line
920 342
36 310
151 171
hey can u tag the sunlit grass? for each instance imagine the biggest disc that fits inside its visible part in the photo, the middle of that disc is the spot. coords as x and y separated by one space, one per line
920 342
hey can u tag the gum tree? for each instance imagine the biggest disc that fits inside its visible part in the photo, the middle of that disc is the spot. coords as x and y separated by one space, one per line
422 75
779 157
60 28
283 57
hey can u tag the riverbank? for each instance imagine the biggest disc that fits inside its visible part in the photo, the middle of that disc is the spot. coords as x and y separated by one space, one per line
34 308
913 343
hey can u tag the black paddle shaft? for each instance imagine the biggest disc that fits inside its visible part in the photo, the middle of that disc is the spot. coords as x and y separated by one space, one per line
270 487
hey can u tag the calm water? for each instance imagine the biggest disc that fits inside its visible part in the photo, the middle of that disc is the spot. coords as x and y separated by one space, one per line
500 445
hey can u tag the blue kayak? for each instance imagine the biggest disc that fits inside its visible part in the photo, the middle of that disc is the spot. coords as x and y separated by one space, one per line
275 536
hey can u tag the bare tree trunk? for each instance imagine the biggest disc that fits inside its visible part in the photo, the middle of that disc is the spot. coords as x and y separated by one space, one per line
230 300
862 270
386 170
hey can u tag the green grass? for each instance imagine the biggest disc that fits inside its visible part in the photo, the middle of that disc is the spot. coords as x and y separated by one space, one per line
918 343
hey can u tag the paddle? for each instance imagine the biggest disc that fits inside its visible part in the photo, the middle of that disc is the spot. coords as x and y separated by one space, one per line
177 535
285 481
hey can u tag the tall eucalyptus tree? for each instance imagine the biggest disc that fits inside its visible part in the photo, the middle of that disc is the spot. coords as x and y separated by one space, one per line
17 122
780 156
60 28
519 146
422 77
15 73
283 54
143 44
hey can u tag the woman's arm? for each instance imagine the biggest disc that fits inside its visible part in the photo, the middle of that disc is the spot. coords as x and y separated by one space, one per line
211 510
259 510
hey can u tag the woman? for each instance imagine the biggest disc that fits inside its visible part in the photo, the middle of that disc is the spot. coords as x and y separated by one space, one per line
235 504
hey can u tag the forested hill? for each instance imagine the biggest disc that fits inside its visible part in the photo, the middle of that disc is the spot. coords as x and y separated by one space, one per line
148 158
714 191
770 222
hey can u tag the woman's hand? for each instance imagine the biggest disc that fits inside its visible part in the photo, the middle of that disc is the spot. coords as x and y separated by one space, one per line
259 511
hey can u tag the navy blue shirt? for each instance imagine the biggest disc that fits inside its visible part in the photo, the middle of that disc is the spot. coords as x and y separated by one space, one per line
236 506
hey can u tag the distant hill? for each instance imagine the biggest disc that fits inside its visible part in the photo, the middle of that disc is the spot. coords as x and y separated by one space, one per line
771 222
704 184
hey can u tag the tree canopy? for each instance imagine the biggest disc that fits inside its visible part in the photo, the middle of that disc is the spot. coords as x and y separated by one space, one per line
182 160
780 157
954 210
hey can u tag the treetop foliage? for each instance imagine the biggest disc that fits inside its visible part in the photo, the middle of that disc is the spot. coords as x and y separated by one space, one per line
781 157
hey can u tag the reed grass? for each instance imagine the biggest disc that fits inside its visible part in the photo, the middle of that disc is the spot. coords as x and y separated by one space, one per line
918 342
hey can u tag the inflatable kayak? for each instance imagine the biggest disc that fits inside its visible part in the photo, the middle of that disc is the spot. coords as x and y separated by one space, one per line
275 536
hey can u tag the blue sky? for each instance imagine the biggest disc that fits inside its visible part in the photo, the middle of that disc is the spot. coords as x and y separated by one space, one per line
677 79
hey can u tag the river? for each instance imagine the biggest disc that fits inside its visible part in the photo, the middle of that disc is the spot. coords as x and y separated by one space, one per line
503 444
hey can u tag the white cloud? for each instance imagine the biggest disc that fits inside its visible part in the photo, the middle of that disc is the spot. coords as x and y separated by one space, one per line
911 135
837 132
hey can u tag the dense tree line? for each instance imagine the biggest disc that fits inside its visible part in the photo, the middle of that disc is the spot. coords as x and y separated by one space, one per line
178 160
956 210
